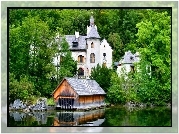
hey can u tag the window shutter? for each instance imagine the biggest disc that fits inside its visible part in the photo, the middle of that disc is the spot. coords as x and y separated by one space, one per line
83 60
78 58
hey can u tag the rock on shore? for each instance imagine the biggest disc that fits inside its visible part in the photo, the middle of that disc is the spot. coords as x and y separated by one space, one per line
41 105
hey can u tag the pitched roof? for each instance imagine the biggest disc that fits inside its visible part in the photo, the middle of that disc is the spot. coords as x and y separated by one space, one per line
93 33
83 86
81 42
129 58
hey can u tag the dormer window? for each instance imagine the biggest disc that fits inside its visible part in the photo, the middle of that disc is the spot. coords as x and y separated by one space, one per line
75 42
131 58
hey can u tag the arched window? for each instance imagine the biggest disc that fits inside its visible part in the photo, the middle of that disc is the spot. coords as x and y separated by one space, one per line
80 71
92 45
92 58
104 64
81 59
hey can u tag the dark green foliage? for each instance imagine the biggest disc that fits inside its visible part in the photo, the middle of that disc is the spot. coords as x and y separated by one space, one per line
117 46
22 89
68 67
116 92
102 75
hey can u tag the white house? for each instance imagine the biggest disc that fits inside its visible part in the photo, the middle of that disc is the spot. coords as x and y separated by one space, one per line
89 50
127 62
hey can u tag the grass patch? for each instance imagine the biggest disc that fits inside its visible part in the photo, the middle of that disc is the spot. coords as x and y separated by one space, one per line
33 100
50 101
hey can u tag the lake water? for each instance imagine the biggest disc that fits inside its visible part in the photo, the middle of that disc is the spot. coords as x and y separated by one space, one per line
113 116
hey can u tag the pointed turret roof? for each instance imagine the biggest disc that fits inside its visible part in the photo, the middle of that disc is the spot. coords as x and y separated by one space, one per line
93 33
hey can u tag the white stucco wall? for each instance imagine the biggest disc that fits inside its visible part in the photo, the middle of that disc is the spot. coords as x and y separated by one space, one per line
95 50
75 55
106 48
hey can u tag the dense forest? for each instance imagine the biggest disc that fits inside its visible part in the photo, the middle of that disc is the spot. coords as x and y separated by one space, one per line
32 46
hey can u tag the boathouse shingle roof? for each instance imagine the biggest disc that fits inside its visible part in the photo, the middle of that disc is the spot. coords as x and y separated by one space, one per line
85 86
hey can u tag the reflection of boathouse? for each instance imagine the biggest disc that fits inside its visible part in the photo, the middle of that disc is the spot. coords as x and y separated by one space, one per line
73 93
89 118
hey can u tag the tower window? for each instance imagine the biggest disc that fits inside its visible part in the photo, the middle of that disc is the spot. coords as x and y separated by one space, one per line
92 58
80 71
92 45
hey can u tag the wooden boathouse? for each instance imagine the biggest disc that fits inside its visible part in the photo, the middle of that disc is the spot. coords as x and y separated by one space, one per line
74 93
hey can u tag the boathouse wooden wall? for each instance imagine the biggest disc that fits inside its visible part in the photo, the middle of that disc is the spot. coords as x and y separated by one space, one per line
64 88
91 99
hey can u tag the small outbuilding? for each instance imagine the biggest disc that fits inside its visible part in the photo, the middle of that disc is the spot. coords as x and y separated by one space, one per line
127 63
74 93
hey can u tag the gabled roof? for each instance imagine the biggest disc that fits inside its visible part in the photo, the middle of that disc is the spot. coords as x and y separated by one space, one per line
83 86
81 42
93 33
129 58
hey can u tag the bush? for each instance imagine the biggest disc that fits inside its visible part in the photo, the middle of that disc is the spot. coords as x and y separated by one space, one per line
50 101
22 89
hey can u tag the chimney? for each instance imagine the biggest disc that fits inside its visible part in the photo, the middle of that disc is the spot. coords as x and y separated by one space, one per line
76 34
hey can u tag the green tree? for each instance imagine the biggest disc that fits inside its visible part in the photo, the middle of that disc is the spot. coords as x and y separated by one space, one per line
154 38
32 52
22 89
102 75
116 92
68 66
117 46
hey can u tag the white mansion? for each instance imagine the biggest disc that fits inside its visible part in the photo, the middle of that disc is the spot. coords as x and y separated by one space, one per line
89 50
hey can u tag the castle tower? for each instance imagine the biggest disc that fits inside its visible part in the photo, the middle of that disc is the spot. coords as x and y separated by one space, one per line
93 46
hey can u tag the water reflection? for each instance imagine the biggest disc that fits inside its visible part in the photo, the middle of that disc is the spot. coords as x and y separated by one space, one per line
39 117
60 118
90 118
113 116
